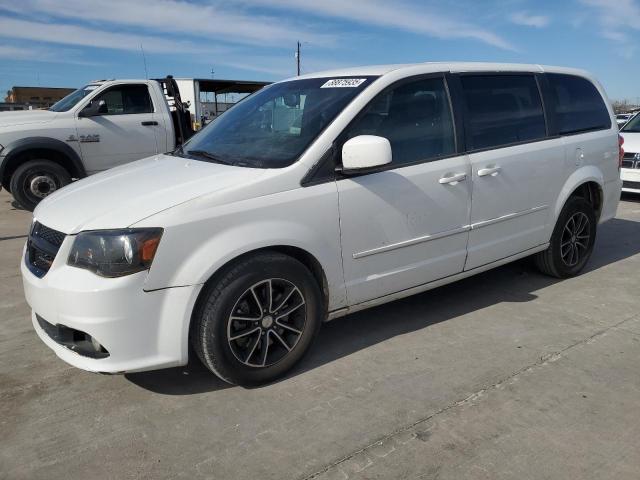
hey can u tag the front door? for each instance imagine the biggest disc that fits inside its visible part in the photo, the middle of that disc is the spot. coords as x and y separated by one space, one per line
408 224
124 133
513 164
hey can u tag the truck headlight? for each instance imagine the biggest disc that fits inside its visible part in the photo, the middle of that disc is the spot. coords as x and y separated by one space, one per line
115 253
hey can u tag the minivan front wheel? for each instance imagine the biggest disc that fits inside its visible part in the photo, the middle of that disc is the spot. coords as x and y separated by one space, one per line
572 241
258 319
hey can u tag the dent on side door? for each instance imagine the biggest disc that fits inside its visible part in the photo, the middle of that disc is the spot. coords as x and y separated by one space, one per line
406 227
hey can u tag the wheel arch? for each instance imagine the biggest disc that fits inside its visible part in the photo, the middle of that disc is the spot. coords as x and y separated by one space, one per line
47 148
587 183
300 254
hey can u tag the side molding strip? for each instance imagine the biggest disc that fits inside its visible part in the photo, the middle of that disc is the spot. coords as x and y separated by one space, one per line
455 231
485 223
413 241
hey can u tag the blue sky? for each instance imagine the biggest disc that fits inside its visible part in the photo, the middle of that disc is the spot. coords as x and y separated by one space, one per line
70 42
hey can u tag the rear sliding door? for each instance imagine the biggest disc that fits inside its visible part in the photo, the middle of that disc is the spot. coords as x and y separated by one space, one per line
514 165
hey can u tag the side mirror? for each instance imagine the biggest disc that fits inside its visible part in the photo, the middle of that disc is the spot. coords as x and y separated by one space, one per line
94 109
365 151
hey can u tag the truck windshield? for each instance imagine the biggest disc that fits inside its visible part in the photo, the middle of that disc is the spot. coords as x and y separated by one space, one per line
632 126
273 127
68 102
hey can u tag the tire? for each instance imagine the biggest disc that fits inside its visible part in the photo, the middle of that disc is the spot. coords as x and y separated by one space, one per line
572 240
32 181
226 346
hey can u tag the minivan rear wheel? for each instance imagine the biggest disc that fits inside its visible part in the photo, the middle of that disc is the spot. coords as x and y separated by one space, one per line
572 240
258 319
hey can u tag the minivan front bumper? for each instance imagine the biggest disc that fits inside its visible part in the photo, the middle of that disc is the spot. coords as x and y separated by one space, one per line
75 311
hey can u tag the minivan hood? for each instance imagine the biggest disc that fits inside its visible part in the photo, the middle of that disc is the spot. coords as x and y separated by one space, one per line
631 142
124 195
26 117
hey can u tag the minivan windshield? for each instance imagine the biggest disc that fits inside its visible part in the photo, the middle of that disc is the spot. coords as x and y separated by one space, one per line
71 100
273 127
632 126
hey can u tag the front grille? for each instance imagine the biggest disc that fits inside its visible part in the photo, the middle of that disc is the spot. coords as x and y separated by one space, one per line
49 234
634 185
42 248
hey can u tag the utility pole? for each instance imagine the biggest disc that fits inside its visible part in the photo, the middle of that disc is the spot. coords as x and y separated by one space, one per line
298 58
214 94
144 61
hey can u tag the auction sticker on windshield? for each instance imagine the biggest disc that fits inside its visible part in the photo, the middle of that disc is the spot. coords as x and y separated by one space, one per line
344 83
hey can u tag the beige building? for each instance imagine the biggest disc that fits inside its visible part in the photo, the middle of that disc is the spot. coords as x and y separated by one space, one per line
38 97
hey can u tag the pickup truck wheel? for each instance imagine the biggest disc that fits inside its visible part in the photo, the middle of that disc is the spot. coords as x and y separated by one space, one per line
571 242
34 180
258 320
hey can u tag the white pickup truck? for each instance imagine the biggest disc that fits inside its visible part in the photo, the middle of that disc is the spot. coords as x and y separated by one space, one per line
97 127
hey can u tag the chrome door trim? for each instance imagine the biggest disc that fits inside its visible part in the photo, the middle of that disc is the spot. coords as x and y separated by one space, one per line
485 223
447 233
410 242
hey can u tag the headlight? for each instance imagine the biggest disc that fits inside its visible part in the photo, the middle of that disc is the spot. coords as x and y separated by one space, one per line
115 253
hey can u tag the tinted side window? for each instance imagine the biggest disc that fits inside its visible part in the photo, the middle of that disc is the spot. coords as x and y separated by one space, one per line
127 99
416 119
502 109
578 104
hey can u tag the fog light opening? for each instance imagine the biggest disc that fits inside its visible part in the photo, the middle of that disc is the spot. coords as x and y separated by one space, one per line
75 340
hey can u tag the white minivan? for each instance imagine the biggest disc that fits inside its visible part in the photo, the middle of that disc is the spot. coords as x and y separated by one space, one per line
316 197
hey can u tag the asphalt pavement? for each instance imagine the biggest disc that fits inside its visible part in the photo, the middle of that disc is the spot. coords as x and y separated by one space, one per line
506 375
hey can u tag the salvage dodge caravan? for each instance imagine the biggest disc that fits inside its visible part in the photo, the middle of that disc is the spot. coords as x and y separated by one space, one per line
317 197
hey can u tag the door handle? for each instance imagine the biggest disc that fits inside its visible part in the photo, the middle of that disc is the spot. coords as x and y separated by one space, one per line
492 170
453 179
149 123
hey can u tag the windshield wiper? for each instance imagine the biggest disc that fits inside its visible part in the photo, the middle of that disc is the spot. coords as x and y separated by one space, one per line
178 152
208 156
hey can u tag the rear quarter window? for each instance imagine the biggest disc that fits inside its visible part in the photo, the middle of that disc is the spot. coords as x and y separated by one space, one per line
577 104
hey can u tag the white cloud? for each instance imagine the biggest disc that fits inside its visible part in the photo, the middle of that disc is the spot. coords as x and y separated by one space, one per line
617 19
617 14
47 55
278 66
90 37
528 20
16 52
64 34
228 34
185 18
396 15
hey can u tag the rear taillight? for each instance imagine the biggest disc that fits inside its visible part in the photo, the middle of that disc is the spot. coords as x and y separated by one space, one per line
620 150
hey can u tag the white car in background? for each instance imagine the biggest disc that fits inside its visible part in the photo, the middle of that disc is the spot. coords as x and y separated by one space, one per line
630 171
623 118
316 197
